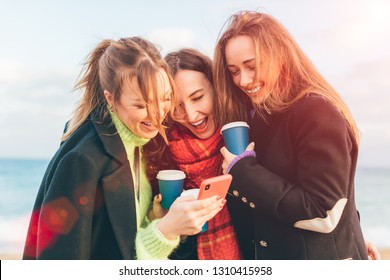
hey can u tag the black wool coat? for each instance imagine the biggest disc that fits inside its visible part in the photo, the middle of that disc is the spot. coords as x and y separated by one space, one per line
85 205
295 200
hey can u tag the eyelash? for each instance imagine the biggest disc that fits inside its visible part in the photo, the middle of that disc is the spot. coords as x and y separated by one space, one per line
234 73
197 98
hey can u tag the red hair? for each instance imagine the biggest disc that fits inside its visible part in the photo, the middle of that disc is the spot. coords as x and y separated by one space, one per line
297 76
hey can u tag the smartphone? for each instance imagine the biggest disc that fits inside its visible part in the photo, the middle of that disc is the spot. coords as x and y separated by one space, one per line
218 185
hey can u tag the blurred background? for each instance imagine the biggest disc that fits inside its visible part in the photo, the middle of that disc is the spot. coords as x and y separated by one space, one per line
44 44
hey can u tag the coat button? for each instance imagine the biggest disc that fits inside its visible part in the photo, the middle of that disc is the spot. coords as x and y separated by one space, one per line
252 205
235 193
263 243
244 199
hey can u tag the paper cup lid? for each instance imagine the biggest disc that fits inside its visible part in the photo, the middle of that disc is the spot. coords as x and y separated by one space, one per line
171 175
234 124
191 192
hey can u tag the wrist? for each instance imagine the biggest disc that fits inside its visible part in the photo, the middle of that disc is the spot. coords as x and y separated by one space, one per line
165 230
239 157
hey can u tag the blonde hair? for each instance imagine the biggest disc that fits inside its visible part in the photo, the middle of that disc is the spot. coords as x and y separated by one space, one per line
108 67
297 78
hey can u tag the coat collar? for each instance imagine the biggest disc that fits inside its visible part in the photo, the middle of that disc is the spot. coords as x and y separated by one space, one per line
110 139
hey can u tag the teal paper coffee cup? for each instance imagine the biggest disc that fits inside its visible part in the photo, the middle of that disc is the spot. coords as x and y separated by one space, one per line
170 183
205 227
236 136
195 193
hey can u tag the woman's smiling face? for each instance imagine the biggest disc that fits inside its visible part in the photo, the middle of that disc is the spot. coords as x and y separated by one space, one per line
196 99
131 108
240 53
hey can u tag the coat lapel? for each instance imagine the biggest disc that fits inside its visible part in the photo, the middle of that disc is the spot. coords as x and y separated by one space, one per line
118 191
119 195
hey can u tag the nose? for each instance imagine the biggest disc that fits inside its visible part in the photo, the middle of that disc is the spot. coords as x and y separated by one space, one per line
246 79
190 113
159 116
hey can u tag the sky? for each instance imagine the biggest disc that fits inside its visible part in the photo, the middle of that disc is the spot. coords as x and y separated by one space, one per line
44 44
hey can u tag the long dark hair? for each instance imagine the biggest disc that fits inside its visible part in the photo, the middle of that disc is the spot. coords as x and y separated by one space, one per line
183 59
191 59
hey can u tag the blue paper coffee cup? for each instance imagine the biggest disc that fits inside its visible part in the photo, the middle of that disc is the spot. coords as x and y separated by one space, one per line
236 136
170 184
195 194
205 227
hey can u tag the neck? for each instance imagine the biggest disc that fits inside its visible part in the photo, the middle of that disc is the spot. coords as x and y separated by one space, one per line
126 134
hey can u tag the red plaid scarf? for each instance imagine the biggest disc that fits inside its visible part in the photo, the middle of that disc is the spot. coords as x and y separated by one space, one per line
201 159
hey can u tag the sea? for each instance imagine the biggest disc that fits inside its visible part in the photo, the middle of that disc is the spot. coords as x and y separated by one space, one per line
21 178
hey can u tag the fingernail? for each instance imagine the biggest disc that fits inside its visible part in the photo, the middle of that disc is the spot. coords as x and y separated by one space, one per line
218 197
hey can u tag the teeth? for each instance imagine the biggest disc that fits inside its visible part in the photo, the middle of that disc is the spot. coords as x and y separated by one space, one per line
253 90
197 123
147 123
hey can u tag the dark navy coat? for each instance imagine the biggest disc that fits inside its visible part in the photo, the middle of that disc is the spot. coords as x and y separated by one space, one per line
295 200
85 205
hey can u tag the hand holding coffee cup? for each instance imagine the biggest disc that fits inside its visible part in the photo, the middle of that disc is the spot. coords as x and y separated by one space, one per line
228 157
236 136
171 184
157 212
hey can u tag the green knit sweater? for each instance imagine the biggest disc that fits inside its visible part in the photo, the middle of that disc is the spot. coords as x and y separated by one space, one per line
150 243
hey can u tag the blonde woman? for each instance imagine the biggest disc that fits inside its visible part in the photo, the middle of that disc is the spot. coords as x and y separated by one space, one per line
94 199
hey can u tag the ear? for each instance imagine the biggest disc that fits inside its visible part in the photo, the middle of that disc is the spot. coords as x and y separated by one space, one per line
109 98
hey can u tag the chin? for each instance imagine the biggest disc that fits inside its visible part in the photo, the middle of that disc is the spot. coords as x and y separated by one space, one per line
205 135
152 135
148 135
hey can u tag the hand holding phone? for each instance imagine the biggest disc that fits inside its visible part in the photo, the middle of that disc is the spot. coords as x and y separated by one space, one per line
218 185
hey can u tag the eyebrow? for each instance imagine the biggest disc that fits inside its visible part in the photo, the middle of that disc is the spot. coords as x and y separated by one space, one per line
195 92
169 92
136 99
244 62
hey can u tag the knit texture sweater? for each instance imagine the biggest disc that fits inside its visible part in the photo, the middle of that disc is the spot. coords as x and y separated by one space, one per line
150 243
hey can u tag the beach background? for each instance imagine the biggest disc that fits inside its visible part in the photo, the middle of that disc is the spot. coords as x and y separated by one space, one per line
44 44
20 179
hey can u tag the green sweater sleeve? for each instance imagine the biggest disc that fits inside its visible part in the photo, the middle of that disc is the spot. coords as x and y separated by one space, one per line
151 244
